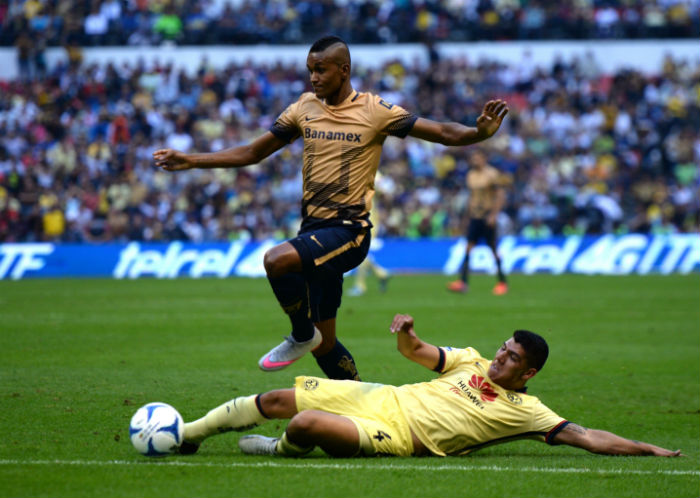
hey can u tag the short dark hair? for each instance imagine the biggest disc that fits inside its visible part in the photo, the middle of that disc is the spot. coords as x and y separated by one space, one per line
323 43
536 348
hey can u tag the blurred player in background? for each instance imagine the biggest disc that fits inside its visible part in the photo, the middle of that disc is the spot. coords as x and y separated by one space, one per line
370 265
343 132
487 198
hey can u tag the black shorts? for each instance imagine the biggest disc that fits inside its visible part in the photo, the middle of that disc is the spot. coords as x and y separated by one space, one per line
326 254
478 229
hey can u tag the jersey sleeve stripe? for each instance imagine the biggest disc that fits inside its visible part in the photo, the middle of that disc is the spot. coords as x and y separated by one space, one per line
402 126
284 133
441 361
549 438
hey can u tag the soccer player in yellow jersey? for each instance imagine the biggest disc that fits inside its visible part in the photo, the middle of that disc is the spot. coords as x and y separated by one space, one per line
343 132
473 403
370 265
486 200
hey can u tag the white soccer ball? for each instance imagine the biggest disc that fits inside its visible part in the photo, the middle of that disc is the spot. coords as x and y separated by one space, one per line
156 429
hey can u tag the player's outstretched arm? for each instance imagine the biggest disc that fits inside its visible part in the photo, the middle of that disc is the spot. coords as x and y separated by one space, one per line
457 134
408 343
607 443
235 157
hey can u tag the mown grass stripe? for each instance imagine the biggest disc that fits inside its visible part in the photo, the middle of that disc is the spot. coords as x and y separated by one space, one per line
354 466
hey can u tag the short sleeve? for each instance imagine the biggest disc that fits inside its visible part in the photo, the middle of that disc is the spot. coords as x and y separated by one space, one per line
391 119
285 127
547 422
453 357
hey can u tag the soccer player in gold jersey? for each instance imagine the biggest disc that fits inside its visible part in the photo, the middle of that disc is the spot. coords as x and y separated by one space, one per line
473 403
486 200
343 132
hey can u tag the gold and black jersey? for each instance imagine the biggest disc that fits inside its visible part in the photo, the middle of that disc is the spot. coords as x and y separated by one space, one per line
342 148
483 187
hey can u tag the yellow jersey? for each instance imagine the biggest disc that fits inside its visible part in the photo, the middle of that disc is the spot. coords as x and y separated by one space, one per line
463 410
342 148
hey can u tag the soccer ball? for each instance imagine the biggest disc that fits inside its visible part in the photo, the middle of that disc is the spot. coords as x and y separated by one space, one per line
156 429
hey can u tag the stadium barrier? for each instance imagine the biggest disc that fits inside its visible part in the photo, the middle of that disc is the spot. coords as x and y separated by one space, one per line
606 255
646 56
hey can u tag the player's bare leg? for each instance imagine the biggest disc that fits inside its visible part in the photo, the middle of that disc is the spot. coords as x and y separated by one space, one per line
282 259
336 435
327 329
280 403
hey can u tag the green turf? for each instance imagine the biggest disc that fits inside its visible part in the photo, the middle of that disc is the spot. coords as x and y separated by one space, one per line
79 356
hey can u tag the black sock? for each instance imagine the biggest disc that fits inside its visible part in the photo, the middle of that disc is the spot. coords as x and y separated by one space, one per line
464 271
293 295
501 276
338 363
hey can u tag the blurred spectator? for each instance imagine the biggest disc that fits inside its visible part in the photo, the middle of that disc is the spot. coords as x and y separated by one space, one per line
536 230
121 22
96 25
588 152
168 25
196 26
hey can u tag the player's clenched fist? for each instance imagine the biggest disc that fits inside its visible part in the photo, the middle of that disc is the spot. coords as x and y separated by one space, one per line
172 160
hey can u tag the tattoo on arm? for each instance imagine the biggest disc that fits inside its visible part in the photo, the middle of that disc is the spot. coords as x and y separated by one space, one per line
576 428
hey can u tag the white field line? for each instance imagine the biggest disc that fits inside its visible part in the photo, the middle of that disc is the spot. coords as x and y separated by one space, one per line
351 466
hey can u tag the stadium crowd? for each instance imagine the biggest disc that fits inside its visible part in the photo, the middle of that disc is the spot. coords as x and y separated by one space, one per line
585 152
145 22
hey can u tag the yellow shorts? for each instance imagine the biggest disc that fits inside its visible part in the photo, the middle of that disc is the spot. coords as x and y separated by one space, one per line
372 407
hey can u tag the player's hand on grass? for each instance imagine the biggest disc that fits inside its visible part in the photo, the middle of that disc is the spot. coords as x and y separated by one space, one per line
654 450
491 117
172 160
402 323
663 452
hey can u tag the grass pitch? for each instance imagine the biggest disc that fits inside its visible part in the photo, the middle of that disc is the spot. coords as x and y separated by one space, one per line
80 356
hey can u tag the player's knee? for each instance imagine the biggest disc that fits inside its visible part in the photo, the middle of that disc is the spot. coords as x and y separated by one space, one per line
280 260
275 404
274 265
302 424
300 429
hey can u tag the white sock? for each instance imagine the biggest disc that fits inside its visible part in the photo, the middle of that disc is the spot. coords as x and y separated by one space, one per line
289 449
239 414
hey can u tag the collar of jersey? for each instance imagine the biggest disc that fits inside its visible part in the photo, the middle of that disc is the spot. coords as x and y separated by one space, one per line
350 98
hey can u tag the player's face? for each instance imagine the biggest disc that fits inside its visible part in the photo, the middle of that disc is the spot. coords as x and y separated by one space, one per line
478 160
509 367
325 74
